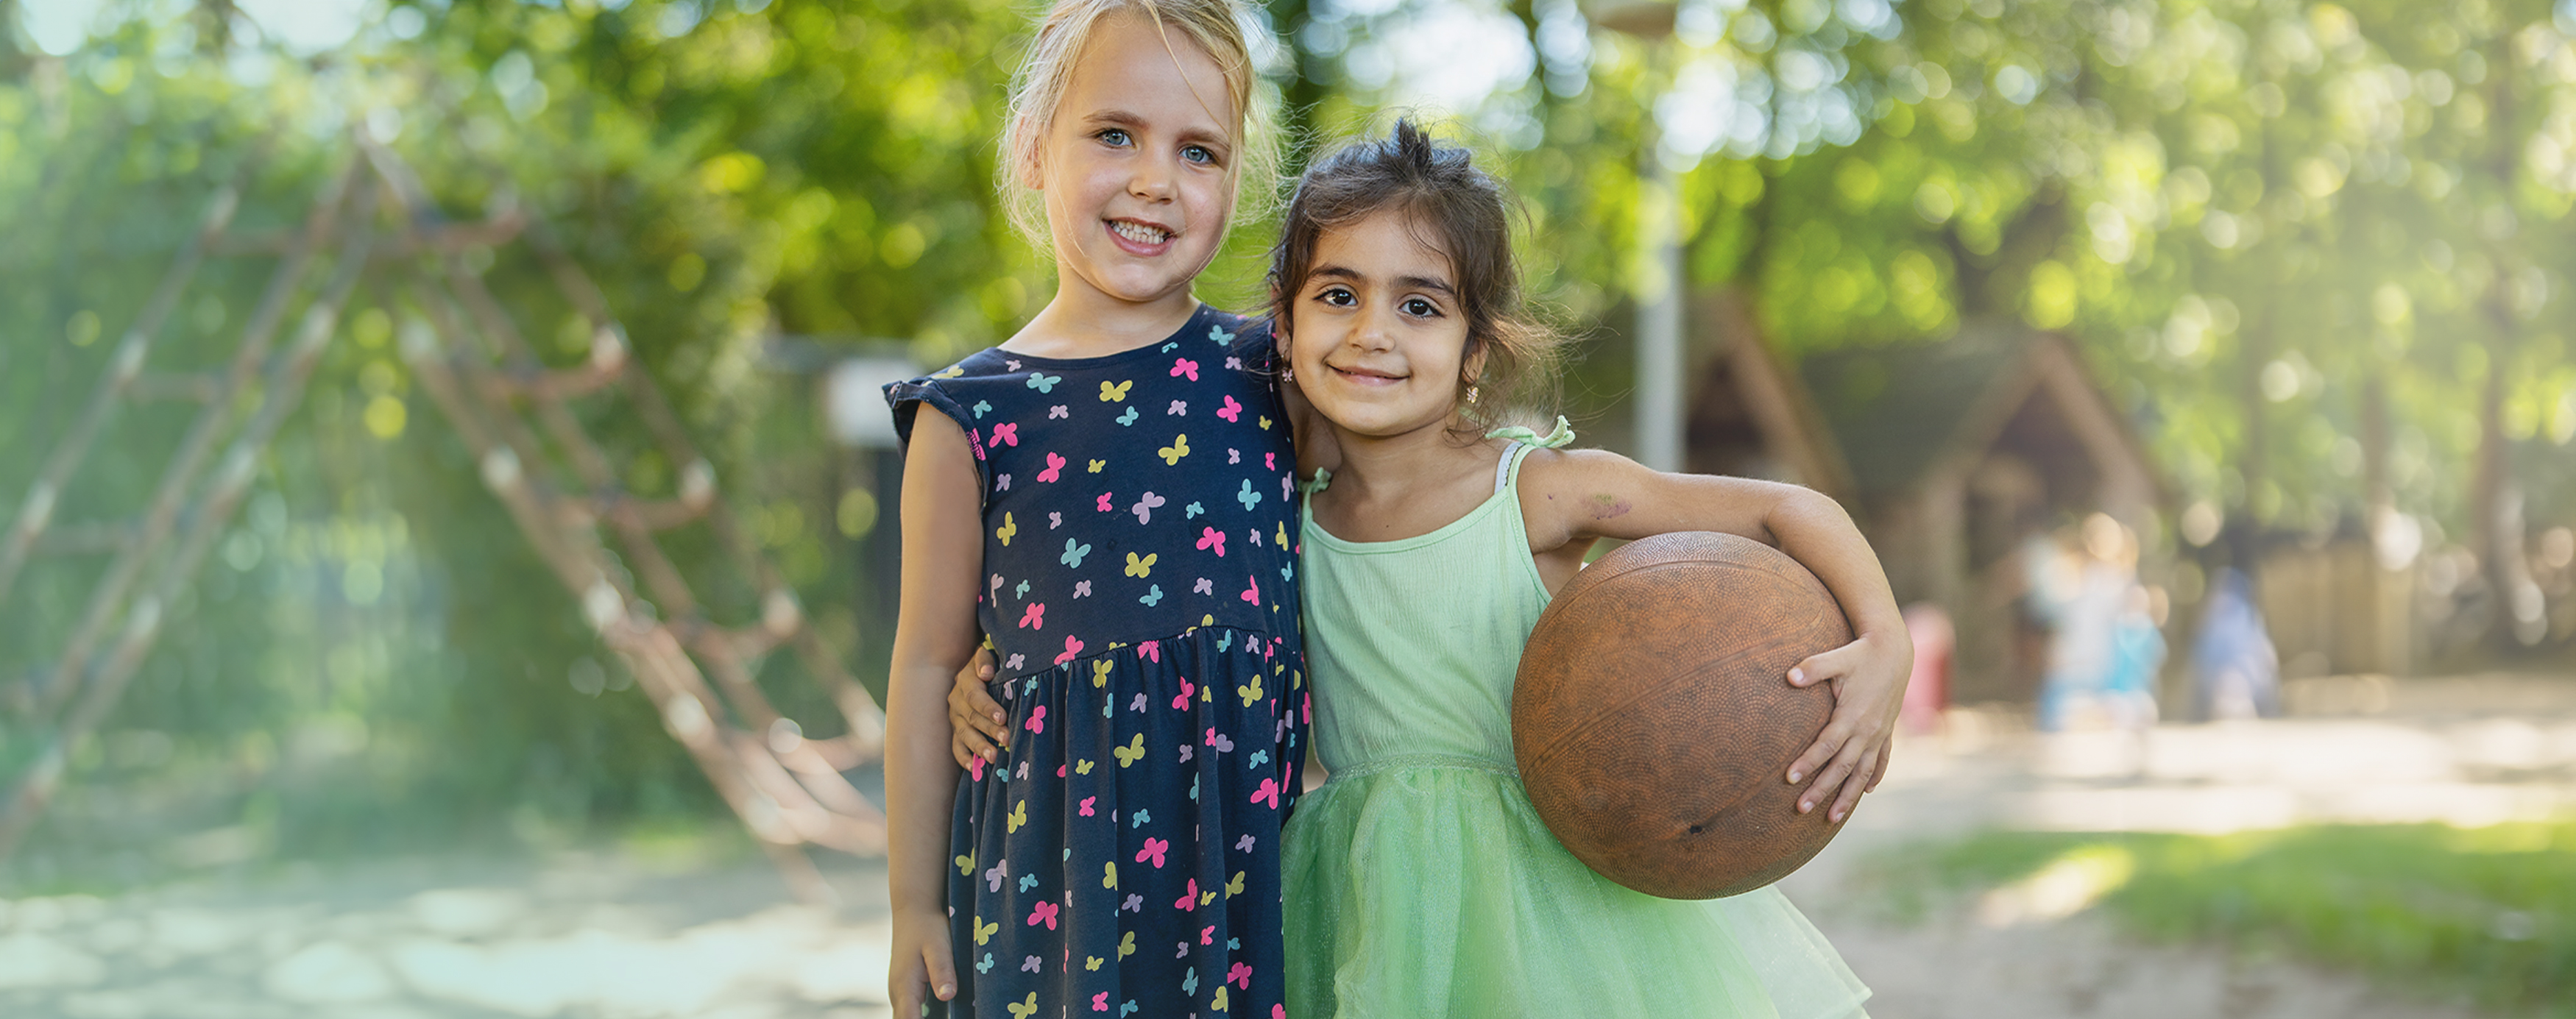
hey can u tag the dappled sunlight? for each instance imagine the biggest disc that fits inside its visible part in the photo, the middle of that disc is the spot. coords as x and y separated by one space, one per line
2071 884
2002 872
597 938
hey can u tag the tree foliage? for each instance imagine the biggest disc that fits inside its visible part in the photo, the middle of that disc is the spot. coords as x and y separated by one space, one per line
2252 214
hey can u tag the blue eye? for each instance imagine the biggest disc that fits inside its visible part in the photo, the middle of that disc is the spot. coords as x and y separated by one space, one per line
1198 154
1113 136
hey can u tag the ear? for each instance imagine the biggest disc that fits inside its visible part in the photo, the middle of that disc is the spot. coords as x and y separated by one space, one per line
1029 163
1031 172
1474 367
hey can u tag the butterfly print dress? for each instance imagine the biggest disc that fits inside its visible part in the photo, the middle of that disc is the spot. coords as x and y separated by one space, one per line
1140 591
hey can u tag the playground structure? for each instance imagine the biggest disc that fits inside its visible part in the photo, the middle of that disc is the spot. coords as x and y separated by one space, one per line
380 232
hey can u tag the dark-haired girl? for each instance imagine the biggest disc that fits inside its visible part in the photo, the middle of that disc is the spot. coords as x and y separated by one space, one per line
1419 881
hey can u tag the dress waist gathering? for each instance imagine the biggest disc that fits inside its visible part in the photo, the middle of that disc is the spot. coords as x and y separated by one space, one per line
1405 762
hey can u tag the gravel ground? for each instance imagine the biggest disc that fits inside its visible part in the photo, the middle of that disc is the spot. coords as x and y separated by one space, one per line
452 939
621 936
2469 751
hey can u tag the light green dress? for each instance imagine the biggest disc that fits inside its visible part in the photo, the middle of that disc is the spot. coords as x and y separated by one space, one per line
1419 881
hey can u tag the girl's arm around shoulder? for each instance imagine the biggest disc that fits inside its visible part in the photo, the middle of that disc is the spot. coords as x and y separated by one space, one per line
935 632
1571 497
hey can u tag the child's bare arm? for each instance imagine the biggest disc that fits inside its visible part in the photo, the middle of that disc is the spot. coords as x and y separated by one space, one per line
1572 497
934 635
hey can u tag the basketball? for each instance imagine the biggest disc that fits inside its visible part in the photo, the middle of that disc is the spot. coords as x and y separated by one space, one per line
1654 722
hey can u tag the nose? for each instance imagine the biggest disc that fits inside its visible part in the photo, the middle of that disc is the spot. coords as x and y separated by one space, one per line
1370 333
1154 180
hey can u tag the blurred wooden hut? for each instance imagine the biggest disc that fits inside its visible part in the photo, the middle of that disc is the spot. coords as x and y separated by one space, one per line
2345 603
1960 453
1750 414
1952 455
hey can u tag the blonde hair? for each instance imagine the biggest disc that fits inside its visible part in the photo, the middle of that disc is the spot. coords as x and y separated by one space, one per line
1216 27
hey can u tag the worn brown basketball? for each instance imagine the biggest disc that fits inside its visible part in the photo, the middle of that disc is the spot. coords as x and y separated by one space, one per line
1654 722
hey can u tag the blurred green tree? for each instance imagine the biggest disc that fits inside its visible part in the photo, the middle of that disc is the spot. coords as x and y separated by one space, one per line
2317 249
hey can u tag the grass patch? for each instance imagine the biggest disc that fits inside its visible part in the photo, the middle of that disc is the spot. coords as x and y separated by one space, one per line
2490 912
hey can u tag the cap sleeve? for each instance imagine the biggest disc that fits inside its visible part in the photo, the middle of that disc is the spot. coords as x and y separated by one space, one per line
907 397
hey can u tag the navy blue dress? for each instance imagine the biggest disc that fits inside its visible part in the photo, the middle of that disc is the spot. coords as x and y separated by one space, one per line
1140 561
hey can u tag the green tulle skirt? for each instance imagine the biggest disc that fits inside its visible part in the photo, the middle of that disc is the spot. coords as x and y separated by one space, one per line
1425 890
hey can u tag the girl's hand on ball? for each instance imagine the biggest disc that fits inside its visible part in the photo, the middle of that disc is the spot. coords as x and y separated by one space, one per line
978 727
1850 756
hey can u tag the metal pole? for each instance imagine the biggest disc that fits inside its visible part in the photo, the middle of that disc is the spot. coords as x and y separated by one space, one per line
1659 316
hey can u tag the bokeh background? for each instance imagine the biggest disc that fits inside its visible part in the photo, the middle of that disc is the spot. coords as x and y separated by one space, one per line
2274 289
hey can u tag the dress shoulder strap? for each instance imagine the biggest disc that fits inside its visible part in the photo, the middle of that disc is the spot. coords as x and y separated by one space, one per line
1523 440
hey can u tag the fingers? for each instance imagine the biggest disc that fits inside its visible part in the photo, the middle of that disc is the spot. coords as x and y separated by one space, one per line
943 972
909 988
1849 797
972 710
1828 743
1829 782
980 668
989 718
981 738
903 991
984 729
976 725
1885 755
964 742
1848 757
1821 667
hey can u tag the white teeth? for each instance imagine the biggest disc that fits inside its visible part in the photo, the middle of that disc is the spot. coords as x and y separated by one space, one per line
1140 233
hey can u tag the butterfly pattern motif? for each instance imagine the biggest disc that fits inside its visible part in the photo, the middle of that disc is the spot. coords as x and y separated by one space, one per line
1124 813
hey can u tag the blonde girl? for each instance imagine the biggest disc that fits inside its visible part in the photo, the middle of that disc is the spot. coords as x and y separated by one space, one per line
1107 495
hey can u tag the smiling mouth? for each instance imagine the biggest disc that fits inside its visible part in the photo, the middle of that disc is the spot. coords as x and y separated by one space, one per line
1366 375
1140 233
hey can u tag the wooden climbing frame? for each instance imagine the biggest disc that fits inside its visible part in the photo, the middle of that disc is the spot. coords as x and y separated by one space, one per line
515 414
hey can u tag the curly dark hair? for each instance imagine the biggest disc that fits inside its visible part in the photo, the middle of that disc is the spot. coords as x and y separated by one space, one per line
1455 208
